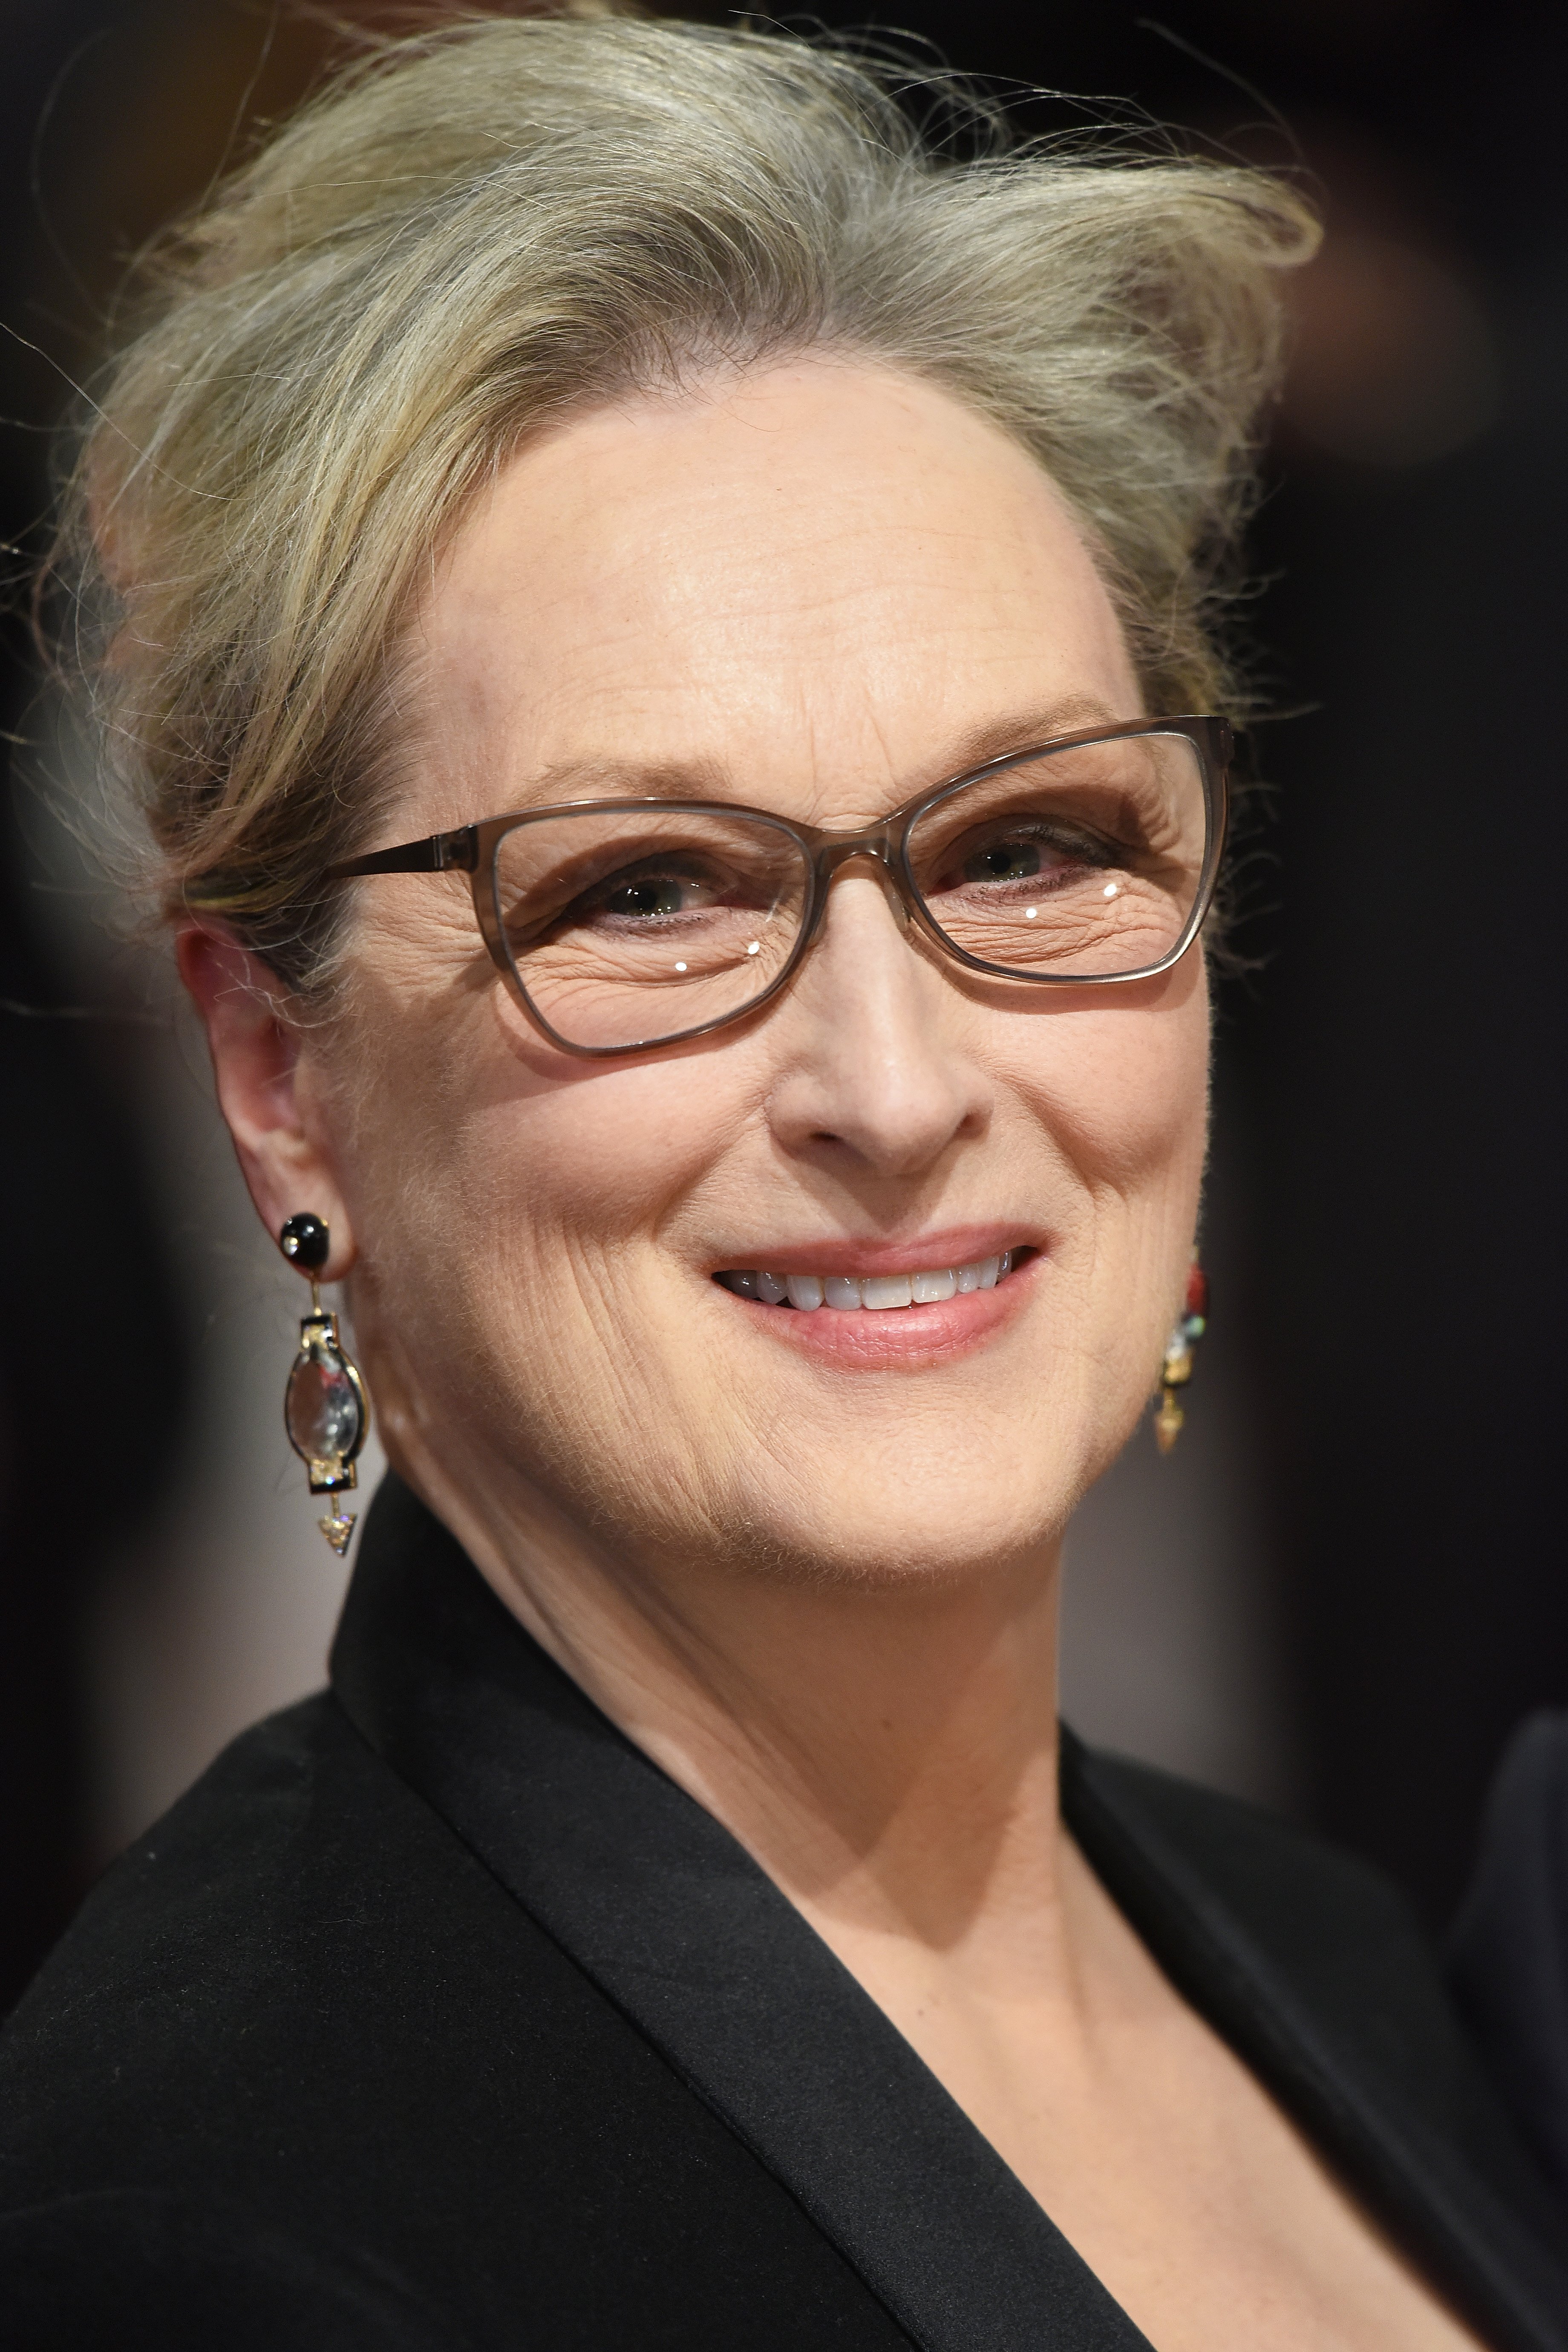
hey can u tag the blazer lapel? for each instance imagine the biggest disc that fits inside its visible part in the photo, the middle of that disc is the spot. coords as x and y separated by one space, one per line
675 1923
1310 1966
1275 1940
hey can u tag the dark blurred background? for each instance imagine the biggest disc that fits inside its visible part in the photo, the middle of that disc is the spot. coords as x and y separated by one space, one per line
1352 1586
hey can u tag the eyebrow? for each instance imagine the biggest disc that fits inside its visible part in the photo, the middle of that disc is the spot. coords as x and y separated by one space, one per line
998 737
603 777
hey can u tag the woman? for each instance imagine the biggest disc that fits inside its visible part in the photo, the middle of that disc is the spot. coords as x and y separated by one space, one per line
645 612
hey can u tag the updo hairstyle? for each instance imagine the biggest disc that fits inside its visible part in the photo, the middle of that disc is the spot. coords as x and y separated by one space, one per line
471 234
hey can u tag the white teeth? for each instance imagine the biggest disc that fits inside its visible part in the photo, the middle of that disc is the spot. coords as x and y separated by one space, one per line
930 1289
848 1292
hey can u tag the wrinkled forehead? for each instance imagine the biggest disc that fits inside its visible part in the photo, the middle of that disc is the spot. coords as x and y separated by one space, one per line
819 589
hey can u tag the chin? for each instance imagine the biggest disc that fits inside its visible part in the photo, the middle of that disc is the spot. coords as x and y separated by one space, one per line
911 1516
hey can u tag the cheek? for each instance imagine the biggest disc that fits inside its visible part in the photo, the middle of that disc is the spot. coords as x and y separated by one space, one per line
594 1163
540 1169
1121 1094
1124 1093
510 1208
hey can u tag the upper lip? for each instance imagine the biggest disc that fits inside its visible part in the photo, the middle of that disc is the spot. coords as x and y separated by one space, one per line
922 1254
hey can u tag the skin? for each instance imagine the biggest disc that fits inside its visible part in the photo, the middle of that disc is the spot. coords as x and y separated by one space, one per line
819 1587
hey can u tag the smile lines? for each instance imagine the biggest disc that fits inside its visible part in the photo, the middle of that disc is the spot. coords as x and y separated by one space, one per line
849 1293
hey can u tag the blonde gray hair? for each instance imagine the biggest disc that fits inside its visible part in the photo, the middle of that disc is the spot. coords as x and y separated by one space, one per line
470 233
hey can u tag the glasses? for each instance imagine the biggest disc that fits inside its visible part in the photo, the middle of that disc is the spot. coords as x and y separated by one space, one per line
1086 861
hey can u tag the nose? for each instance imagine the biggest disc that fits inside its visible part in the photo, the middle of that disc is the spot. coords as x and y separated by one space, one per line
875 1064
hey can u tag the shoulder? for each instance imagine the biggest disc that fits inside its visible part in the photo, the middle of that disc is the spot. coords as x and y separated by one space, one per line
1333 1916
282 1849
1311 1963
182 2272
302 2052
1509 1954
241 1964
223 2009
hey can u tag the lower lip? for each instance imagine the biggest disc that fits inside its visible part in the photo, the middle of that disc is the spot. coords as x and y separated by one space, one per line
895 1339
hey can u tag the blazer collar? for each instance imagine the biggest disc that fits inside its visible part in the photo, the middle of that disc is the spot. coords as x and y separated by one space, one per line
675 1923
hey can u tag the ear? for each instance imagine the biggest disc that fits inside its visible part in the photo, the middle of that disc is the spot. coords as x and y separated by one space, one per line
256 1055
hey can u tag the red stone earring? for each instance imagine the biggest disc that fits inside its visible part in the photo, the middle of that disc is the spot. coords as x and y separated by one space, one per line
325 1410
1177 1368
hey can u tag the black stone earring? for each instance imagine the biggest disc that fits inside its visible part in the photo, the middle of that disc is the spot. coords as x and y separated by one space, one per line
325 1410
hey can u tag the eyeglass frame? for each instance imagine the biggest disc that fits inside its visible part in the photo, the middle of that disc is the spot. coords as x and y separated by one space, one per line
474 850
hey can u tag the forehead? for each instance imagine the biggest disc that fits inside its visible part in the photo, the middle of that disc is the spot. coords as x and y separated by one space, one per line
818 587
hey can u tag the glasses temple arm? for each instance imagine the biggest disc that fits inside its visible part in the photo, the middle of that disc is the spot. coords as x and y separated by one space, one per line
439 853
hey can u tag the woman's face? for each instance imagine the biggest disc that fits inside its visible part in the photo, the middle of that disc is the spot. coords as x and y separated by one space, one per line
815 589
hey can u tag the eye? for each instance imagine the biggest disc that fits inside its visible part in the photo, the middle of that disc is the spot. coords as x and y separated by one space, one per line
650 893
1020 850
1003 861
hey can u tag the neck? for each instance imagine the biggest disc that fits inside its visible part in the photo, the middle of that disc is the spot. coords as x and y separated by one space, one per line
887 1753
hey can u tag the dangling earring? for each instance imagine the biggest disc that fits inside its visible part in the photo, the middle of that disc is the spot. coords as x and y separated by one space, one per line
325 1411
1177 1368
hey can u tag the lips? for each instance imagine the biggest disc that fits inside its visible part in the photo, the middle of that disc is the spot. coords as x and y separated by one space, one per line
848 1294
828 1302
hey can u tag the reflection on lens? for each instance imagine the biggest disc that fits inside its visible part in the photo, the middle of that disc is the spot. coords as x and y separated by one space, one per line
632 925
1086 861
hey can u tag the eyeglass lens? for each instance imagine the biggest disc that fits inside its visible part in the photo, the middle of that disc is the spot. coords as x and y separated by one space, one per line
631 927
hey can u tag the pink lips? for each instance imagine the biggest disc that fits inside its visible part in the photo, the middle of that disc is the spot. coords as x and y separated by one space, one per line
957 1245
905 1339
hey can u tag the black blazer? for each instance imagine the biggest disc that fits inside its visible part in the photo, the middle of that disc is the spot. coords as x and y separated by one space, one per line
1508 1955
436 2016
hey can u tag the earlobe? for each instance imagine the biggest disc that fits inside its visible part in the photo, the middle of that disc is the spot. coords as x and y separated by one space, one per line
255 1046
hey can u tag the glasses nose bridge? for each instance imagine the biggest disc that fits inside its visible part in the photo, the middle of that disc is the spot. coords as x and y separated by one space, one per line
840 848
878 842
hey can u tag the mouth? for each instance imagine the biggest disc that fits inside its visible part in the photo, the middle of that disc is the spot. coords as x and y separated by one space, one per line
851 1293
850 1309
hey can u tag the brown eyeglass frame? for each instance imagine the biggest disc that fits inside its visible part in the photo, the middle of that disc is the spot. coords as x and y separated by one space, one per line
474 850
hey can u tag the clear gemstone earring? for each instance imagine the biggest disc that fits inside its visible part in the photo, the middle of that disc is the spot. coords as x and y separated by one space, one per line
325 1410
1177 1368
